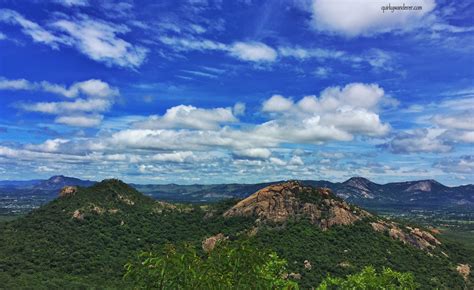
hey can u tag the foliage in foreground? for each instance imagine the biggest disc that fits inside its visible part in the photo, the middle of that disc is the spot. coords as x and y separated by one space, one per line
229 266
242 266
368 278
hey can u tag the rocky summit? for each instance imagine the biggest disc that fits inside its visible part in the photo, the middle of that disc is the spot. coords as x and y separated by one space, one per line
280 202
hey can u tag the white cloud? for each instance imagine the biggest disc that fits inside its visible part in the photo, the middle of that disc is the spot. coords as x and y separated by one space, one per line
254 153
277 161
70 3
182 156
79 105
296 160
20 84
239 109
338 115
419 140
80 121
189 117
322 72
277 103
247 51
462 164
34 30
99 41
360 17
459 121
253 51
90 88
82 112
305 53
51 145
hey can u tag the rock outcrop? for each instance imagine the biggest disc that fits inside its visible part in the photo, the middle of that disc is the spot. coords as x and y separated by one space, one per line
210 243
277 203
464 270
68 191
408 235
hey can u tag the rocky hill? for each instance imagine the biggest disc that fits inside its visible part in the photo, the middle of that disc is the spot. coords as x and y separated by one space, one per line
283 201
291 200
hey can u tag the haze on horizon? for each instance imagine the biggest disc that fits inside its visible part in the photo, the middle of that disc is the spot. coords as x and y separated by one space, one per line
237 91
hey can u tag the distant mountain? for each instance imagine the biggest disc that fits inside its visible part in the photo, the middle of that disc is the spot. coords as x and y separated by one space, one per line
423 194
82 238
59 181
400 196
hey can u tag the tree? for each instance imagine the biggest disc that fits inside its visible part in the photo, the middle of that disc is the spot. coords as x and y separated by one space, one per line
369 279
237 265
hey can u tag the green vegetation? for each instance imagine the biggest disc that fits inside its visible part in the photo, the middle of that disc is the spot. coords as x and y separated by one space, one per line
236 265
368 278
345 250
83 241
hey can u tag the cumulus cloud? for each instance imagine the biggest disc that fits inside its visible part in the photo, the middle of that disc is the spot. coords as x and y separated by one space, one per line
189 117
277 103
90 88
81 112
359 17
51 145
336 114
97 39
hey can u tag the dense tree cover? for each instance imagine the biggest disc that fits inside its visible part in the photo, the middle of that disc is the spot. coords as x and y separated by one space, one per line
50 249
240 265
345 250
48 244
237 265
369 279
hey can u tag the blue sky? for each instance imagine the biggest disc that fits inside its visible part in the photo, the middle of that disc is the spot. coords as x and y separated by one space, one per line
237 91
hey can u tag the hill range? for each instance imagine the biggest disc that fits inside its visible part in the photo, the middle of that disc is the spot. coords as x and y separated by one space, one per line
22 196
83 237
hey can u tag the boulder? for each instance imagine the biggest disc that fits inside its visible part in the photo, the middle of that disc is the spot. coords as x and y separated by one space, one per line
68 191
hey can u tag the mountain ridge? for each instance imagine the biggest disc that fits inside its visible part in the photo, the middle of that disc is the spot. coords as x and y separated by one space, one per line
419 194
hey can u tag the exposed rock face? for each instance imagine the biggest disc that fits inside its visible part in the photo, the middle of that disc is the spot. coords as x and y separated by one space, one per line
68 191
424 186
464 270
307 265
408 235
78 215
210 243
126 200
277 203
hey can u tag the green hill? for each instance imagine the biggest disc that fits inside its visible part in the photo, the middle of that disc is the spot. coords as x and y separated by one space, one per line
83 238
